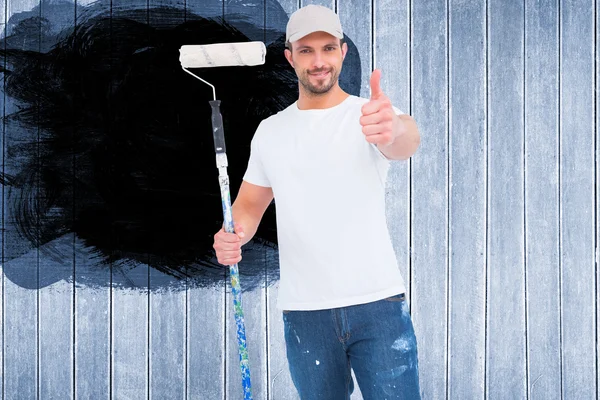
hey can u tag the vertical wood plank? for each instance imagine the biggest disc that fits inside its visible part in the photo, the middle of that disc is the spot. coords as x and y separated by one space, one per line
20 258
289 6
505 353
167 346
93 311
255 317
4 193
56 300
597 206
280 383
577 198
92 325
391 54
326 3
467 200
130 312
430 193
205 312
541 199
205 342
254 302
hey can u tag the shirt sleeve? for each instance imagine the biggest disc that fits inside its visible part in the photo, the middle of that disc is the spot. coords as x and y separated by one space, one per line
255 172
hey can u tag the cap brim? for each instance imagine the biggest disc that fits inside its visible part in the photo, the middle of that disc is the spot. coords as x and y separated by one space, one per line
299 35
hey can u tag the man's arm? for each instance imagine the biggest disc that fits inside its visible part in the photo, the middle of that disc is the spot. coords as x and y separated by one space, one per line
406 139
249 207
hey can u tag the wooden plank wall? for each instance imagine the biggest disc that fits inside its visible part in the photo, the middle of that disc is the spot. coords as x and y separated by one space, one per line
495 222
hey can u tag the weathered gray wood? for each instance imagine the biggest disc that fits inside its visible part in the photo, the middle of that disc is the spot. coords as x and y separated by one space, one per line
391 54
93 311
56 320
20 264
130 328
430 195
576 116
129 345
254 304
541 199
505 355
92 325
467 221
56 300
206 345
597 206
167 346
2 213
327 3
167 338
289 6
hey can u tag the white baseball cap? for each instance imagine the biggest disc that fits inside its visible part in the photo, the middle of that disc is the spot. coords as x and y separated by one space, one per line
313 18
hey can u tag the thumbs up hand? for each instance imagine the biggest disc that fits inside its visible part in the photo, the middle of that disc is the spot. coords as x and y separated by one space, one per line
380 124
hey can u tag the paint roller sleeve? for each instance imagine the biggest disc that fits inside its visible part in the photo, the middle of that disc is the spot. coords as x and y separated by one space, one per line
222 54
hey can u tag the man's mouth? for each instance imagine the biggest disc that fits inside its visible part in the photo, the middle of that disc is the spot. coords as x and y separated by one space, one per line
319 74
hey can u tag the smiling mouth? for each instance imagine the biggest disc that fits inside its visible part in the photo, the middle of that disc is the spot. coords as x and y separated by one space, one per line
321 74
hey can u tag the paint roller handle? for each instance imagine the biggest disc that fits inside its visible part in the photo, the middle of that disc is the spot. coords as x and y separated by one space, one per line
217 124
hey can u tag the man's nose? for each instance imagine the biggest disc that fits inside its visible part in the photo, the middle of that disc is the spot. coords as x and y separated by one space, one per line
318 61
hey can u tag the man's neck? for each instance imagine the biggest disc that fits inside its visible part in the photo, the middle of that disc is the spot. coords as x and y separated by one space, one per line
308 101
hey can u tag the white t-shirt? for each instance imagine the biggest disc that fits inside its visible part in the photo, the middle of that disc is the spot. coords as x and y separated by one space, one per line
329 189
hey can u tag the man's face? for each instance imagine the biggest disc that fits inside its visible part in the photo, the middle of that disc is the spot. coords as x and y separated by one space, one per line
317 59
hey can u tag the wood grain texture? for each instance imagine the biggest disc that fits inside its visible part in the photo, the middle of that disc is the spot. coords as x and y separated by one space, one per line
597 205
56 298
327 3
254 304
206 344
2 211
280 384
541 199
167 303
467 222
130 330
92 326
429 193
391 54
576 116
505 353
20 258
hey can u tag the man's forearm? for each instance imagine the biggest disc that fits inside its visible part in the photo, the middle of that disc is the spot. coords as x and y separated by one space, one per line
406 144
245 218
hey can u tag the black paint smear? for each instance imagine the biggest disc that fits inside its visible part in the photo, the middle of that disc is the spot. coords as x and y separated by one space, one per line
139 130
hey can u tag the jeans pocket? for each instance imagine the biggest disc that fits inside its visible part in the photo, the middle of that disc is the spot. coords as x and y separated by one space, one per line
398 297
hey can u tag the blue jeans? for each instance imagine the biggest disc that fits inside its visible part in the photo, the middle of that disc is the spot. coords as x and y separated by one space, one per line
376 339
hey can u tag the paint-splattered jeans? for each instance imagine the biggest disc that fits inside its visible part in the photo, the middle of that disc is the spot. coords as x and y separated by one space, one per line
376 339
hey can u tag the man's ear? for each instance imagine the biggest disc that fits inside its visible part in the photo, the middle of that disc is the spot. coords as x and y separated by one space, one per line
288 56
344 50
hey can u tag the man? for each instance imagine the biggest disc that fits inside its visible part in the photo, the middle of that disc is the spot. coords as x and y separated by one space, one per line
324 160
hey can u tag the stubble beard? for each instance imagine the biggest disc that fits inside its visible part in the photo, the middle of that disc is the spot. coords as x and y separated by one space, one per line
324 85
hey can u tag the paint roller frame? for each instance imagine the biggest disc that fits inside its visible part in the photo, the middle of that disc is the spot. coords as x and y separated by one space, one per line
219 55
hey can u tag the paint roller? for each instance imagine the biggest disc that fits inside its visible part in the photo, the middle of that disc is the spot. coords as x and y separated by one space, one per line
226 55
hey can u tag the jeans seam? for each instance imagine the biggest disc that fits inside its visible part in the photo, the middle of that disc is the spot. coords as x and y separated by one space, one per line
337 326
348 377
